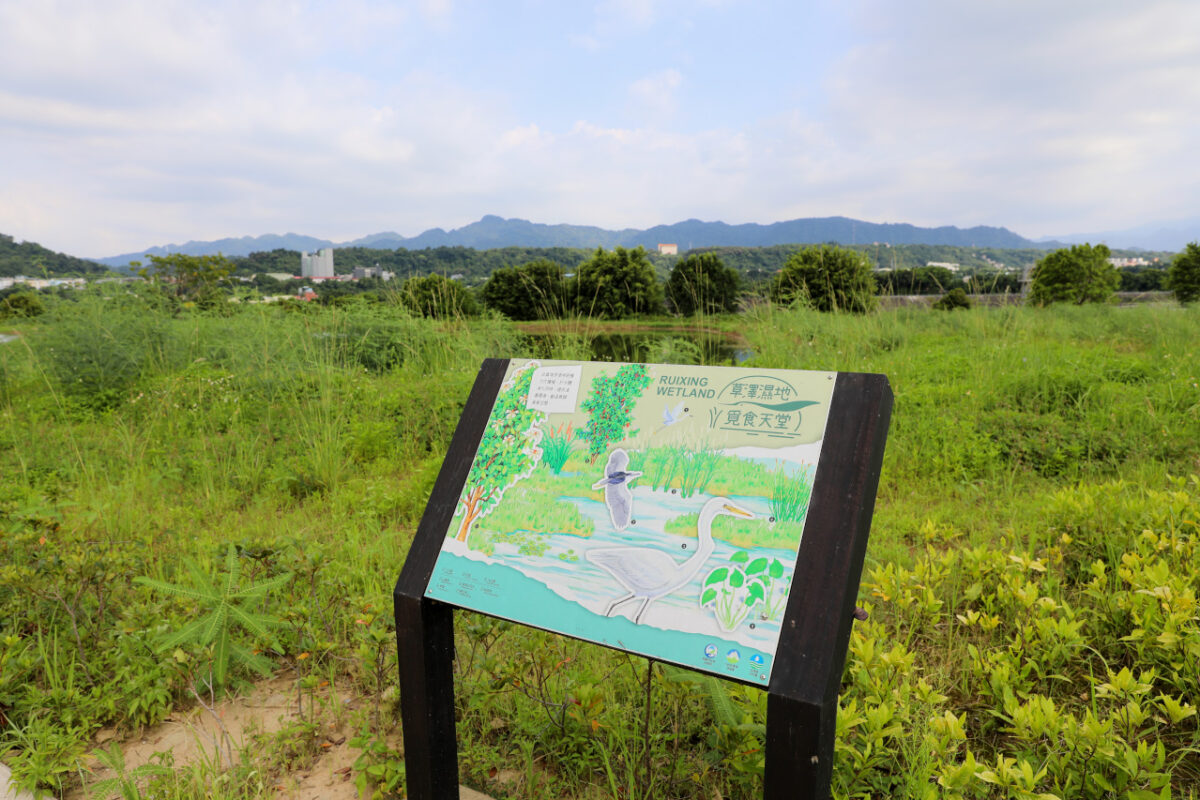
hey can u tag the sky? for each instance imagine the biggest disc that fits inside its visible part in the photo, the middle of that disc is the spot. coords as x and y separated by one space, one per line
130 123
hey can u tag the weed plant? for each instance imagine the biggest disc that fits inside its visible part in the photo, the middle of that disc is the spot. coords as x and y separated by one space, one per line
790 495
1031 576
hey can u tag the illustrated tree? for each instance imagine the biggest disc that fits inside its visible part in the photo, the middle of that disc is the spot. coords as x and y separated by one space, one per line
702 283
1184 274
437 296
828 278
610 404
536 290
616 284
1078 274
507 452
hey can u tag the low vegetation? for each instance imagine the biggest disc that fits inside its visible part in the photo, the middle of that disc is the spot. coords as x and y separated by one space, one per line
1031 576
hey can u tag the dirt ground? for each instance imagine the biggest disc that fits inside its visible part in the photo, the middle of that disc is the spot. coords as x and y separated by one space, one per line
201 734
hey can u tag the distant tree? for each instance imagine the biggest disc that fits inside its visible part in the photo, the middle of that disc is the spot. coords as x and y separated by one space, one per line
1184 274
616 284
190 279
918 280
703 283
829 278
955 298
437 296
1078 274
277 260
536 290
1142 279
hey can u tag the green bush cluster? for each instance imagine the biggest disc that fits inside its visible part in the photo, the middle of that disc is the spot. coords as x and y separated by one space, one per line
995 671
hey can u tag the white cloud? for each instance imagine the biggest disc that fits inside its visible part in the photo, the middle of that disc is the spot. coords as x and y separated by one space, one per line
141 123
1031 115
656 94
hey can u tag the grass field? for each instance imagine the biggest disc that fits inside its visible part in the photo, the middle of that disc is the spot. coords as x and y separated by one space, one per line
1031 577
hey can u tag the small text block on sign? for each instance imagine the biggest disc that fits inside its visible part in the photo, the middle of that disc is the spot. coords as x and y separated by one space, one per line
554 389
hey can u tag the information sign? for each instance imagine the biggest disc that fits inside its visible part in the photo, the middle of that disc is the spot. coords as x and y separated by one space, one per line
712 517
653 508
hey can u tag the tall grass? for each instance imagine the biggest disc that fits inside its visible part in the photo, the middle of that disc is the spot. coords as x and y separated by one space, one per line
309 439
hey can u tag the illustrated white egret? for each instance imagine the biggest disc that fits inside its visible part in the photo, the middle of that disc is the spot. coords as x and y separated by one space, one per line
615 482
673 415
649 573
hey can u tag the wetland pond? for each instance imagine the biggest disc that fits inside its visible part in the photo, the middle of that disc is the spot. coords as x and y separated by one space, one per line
639 345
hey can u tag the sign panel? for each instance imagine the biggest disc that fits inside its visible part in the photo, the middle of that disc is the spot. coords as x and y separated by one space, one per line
653 508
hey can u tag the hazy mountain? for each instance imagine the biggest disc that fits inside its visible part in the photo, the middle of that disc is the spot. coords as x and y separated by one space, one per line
242 246
1170 236
493 232
694 233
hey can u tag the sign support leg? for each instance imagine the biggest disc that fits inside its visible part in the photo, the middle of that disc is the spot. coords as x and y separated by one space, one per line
799 752
425 638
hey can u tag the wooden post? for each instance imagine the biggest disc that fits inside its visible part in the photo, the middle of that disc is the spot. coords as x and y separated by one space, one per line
425 628
802 701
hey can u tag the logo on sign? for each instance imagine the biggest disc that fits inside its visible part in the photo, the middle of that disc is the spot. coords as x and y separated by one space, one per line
759 405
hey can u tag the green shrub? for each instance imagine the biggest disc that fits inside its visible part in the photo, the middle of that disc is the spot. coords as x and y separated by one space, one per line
98 350
21 304
1078 274
955 298
702 283
438 297
1184 274
827 278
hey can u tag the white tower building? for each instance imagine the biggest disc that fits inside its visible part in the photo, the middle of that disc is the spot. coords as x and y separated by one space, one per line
318 264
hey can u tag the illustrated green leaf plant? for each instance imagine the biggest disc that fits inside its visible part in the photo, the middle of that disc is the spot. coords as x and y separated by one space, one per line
228 604
508 451
609 404
735 589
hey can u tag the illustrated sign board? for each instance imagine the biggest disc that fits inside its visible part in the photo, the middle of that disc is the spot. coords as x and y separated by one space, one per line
658 509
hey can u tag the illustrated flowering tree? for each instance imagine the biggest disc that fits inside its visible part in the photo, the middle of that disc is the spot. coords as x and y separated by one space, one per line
610 405
508 451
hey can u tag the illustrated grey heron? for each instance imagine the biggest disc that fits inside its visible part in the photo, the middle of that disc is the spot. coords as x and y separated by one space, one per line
648 573
615 484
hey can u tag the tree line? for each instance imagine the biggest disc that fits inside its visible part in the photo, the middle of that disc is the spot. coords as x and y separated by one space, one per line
621 283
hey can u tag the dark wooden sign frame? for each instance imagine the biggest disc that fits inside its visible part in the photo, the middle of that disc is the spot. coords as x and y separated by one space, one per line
807 671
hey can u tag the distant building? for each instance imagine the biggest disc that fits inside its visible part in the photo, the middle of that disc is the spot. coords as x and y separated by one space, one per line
1135 261
318 264
372 272
668 249
43 283
953 267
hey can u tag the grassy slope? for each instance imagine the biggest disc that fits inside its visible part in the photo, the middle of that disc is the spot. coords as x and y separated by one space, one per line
133 442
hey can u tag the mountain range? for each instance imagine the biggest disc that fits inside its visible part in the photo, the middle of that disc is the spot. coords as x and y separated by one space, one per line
493 232
1170 236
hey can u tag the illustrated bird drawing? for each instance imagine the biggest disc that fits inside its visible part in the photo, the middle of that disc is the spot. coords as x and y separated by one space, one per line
673 415
615 484
648 573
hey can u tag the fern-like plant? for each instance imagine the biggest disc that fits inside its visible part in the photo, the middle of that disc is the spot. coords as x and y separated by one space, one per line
227 604
124 783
